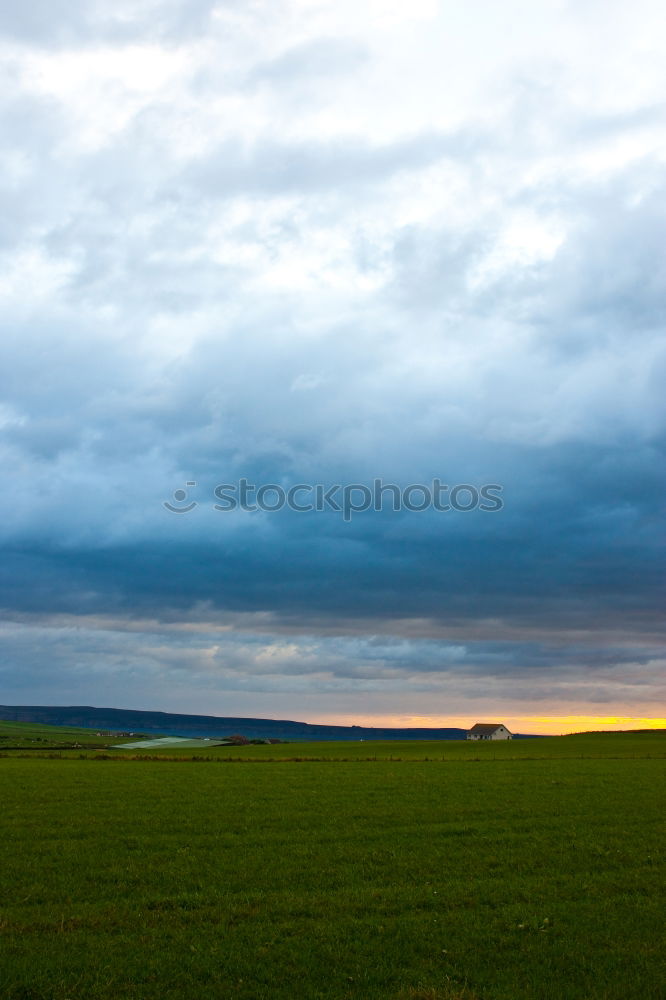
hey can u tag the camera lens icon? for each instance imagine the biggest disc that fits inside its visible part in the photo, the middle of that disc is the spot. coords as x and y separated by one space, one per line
180 496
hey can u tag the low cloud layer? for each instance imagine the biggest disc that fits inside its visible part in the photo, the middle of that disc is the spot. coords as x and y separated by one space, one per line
279 242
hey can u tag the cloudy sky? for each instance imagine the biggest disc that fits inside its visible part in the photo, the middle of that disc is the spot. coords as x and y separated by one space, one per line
317 242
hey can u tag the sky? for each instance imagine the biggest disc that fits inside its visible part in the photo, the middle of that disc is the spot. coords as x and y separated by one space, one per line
314 242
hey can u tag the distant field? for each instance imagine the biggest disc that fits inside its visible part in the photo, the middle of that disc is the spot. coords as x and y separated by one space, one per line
497 878
586 745
34 736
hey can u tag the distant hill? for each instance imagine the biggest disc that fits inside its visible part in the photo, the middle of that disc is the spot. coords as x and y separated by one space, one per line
173 724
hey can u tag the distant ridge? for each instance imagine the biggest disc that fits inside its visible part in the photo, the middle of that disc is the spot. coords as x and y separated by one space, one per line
175 724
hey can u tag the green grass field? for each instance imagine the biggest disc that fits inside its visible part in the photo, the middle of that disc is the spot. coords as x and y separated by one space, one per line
534 871
34 736
585 745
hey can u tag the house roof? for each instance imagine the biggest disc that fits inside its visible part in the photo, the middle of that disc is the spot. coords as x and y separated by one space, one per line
485 728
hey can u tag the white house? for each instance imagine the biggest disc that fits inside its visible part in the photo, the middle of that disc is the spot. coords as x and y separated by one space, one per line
489 731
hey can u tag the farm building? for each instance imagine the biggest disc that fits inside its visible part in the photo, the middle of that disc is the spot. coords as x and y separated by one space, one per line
489 731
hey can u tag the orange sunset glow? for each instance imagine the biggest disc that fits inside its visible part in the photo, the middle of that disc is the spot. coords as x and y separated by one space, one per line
538 725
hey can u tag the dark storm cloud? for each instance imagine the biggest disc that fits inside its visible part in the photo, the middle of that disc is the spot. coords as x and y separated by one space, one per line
574 547
579 517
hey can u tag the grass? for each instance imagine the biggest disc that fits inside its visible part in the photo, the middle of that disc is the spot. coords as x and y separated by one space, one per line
593 745
35 736
499 878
